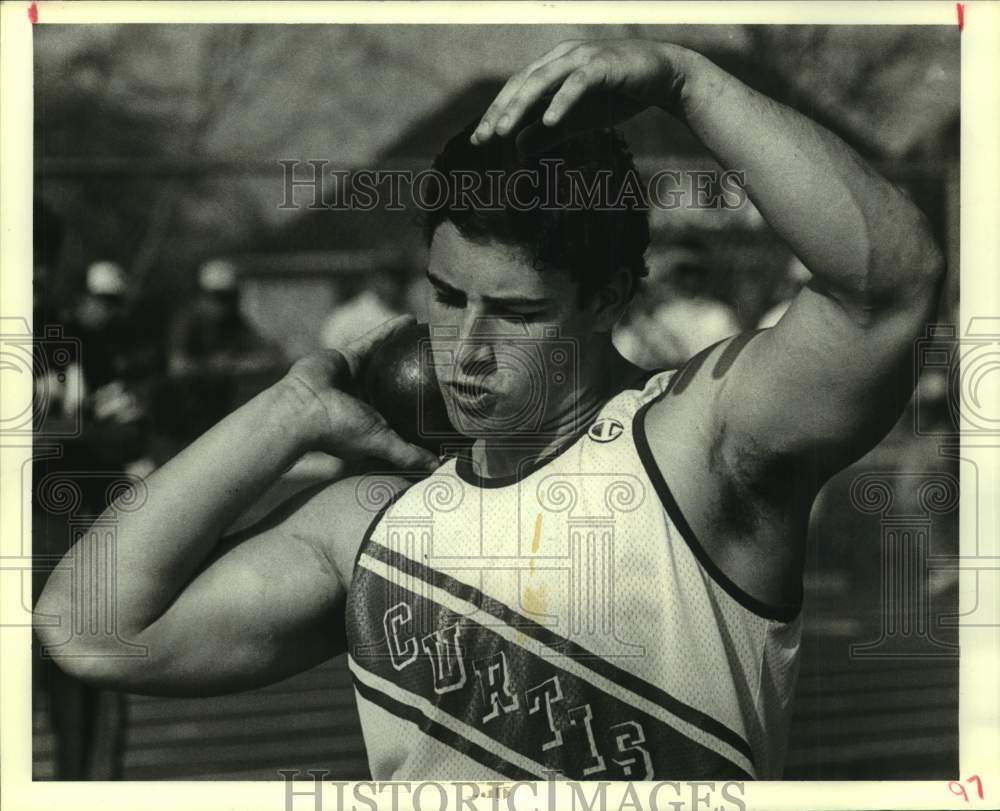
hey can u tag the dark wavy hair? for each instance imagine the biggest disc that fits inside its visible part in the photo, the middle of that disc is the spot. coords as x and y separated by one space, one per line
588 242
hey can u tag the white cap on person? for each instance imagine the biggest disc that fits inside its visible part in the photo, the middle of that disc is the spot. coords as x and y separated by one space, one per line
106 279
217 275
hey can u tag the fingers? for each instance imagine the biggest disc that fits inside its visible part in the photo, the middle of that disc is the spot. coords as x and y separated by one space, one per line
525 88
598 111
576 84
386 444
560 71
493 113
359 349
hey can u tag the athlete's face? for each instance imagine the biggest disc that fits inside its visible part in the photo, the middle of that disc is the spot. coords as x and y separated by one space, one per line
508 341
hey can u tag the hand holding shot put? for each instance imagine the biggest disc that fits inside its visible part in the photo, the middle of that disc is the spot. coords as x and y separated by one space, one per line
727 453
189 591
330 386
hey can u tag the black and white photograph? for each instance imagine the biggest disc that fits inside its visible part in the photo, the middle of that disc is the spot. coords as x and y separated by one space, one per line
573 406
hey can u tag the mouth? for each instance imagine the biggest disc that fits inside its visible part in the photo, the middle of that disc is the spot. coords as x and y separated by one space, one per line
469 394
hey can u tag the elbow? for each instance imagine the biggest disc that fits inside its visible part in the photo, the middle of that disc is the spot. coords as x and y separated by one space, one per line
88 668
97 667
72 658
927 281
913 286
918 256
925 262
104 661
931 264
898 278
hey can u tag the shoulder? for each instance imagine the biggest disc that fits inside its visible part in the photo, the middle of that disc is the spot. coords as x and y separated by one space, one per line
687 409
746 518
704 412
689 441
336 516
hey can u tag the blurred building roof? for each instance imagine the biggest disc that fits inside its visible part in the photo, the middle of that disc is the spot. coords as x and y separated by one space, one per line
423 138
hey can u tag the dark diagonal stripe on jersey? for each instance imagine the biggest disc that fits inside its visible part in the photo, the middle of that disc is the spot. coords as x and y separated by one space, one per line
448 737
551 716
563 645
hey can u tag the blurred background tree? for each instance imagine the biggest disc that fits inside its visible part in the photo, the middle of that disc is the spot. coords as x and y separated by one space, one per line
158 144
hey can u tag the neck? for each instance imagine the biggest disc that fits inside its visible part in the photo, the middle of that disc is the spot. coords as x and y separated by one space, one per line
605 375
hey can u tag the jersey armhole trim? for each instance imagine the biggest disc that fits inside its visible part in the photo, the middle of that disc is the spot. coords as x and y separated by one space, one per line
785 612
372 526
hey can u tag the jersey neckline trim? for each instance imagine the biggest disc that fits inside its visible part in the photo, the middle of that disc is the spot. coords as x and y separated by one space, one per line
785 612
466 472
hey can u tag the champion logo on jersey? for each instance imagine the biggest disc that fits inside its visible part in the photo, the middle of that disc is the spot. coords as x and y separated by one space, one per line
605 430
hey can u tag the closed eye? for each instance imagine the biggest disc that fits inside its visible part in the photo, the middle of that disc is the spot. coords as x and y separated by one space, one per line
448 299
519 318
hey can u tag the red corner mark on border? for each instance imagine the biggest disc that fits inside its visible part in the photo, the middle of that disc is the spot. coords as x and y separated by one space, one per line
33 12
960 8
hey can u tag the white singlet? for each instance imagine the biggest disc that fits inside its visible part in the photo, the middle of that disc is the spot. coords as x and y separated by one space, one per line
563 622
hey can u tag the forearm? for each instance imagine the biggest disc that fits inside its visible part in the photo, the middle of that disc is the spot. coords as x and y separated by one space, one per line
863 239
190 501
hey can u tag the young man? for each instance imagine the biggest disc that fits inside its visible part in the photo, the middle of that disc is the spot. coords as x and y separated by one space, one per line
549 604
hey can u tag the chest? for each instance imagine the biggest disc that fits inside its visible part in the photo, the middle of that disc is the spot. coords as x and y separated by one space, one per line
549 546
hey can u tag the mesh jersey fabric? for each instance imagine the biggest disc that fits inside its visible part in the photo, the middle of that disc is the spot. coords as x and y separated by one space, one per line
562 623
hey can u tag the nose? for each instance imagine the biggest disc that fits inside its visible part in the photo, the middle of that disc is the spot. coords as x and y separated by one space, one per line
476 355
476 361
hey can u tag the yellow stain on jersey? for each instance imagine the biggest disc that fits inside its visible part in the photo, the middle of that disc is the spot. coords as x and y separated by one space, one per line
537 540
533 601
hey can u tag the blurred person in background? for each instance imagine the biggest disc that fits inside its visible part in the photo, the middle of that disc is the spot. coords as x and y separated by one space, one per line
87 723
49 378
211 336
100 320
215 361
676 313
116 362
363 301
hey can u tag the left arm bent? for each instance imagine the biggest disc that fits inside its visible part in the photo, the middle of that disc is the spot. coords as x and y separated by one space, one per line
830 379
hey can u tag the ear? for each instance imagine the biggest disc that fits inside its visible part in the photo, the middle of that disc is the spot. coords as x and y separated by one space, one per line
611 301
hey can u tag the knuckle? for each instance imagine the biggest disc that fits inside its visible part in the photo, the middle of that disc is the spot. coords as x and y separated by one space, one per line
534 74
376 426
600 62
514 106
512 84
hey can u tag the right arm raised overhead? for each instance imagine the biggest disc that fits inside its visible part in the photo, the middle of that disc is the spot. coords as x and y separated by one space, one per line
220 613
